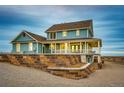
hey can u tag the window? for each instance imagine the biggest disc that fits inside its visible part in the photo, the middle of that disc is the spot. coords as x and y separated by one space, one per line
77 32
17 47
52 35
64 34
30 46
72 48
62 46
87 33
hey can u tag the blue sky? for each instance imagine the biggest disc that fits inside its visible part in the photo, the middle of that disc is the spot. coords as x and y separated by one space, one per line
108 23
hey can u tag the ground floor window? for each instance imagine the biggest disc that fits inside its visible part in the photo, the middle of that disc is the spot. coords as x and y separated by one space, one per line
18 47
75 48
30 46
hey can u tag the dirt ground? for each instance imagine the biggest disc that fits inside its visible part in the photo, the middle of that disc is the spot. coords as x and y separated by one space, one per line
16 76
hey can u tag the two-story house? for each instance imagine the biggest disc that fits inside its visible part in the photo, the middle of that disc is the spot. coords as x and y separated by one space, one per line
65 38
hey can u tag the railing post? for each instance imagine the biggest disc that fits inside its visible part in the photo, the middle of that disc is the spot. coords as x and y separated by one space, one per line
69 48
51 48
60 48
55 47
85 47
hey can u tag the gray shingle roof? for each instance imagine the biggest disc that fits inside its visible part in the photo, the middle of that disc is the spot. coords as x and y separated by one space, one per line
70 25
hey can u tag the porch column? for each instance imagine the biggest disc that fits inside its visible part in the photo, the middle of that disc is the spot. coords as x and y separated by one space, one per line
99 48
51 47
60 48
66 46
37 47
85 47
80 48
55 47
69 48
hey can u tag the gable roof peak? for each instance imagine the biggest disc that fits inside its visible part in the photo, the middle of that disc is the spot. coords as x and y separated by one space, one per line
36 37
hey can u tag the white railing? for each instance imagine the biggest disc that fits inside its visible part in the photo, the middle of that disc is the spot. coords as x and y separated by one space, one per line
83 51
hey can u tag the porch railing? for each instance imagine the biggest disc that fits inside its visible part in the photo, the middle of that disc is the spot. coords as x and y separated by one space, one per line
83 51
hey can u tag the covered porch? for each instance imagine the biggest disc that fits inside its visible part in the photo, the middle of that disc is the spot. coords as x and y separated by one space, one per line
72 47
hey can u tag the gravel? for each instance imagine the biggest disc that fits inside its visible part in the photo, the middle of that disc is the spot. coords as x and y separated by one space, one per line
112 75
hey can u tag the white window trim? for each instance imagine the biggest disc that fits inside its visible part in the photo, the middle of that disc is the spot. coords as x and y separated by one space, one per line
77 32
51 35
64 33
18 47
30 46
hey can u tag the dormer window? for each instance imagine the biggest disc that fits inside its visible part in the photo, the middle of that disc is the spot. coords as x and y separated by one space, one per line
64 33
77 32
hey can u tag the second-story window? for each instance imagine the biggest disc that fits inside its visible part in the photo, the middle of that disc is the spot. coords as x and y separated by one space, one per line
64 33
77 32
53 35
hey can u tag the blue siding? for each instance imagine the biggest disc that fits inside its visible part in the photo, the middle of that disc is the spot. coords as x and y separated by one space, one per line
39 47
90 34
24 47
14 48
83 33
72 34
35 47
47 35
24 44
21 38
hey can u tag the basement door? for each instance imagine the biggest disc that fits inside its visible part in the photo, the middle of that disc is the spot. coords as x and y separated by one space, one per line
89 59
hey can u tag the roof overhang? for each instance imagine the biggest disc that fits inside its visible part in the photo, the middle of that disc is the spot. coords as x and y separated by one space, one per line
66 29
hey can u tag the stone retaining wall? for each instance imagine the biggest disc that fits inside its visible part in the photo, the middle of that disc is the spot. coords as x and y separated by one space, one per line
75 74
50 60
44 61
113 58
